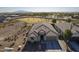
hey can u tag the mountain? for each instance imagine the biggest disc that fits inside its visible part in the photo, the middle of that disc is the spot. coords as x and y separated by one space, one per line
21 11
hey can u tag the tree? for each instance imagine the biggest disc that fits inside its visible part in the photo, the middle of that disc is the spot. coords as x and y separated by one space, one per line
68 20
54 21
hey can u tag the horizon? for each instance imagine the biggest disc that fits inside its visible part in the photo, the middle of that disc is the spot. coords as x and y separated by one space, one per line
39 9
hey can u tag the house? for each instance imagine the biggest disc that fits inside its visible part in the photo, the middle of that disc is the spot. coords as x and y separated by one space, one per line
42 29
43 37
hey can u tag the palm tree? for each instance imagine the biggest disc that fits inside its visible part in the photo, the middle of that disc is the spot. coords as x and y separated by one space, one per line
69 21
67 35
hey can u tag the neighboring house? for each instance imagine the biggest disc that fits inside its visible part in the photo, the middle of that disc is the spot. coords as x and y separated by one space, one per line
74 41
62 26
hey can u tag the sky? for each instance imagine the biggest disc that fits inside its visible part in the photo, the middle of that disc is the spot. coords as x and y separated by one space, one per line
40 9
